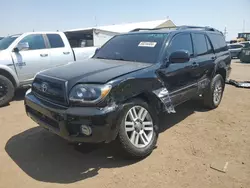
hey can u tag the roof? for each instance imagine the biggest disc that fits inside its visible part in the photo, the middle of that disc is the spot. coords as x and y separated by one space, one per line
124 28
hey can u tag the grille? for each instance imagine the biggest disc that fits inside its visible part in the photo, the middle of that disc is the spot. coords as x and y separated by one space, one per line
50 89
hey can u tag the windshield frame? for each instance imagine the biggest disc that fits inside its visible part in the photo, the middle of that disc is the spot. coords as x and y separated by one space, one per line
8 42
160 52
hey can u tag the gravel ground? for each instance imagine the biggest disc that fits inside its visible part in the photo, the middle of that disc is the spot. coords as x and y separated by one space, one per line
190 141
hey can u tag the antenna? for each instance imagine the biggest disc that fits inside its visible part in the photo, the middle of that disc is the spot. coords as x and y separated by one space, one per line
95 21
243 29
225 32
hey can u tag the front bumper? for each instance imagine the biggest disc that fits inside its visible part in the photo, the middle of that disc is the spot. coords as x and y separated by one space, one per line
66 122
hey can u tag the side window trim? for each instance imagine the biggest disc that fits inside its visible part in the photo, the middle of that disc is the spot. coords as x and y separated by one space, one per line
178 34
208 42
46 41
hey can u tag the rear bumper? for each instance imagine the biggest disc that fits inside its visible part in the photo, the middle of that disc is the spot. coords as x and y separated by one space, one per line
66 122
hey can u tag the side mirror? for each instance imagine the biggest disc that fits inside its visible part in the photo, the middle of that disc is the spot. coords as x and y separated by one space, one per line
21 47
97 49
179 57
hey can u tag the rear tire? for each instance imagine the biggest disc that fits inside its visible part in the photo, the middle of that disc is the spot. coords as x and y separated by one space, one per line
137 134
7 91
214 94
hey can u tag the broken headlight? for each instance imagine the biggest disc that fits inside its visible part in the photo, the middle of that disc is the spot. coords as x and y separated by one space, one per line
89 93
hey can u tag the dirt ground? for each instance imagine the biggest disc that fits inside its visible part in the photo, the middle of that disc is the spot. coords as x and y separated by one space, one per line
189 142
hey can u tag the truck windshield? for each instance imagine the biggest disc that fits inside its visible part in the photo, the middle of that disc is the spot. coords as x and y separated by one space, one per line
139 47
7 41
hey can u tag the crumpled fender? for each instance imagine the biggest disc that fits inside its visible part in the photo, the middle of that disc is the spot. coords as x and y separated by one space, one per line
150 87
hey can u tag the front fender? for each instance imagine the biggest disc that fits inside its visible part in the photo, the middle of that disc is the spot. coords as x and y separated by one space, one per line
149 87
9 69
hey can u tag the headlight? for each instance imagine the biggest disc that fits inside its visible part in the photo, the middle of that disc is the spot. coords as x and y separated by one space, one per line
89 93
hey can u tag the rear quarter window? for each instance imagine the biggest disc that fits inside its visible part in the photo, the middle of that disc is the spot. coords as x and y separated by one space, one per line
218 42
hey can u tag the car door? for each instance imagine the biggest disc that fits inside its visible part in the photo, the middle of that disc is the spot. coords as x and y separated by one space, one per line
179 78
205 57
32 60
60 53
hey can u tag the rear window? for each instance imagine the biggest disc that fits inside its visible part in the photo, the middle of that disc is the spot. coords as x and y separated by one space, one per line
55 41
138 47
218 42
234 46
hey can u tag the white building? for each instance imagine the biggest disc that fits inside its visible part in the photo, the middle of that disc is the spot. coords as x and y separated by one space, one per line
96 36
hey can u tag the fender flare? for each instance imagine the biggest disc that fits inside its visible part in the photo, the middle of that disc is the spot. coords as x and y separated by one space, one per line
12 73
218 66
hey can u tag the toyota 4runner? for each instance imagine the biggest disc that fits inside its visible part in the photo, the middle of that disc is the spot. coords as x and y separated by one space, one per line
117 94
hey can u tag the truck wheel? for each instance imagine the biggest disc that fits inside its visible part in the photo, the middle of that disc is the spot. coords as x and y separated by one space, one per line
137 132
7 90
213 96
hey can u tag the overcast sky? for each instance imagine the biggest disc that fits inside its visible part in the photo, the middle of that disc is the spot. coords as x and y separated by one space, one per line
19 16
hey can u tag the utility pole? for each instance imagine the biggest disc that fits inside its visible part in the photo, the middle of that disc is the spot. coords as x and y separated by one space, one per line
225 32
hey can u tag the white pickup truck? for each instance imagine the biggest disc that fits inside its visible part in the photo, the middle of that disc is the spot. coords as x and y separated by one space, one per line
23 56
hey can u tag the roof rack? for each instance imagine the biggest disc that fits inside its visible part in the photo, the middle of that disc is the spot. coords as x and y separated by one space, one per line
206 28
149 29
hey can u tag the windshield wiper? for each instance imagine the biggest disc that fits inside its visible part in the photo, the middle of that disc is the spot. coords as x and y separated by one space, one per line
118 59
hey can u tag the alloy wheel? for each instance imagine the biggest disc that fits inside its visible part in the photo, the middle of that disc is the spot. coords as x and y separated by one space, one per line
139 126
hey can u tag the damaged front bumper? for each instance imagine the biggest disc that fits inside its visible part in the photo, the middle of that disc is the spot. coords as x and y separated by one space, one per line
66 122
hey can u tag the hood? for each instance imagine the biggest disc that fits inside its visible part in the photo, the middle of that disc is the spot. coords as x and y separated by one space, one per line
94 70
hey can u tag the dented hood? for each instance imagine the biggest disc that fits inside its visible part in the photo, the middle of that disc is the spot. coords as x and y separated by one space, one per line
94 70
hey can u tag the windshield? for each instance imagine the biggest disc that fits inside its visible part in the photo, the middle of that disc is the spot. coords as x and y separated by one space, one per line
141 47
7 41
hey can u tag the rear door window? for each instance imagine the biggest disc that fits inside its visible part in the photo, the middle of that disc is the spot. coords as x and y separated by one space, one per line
200 44
55 41
181 42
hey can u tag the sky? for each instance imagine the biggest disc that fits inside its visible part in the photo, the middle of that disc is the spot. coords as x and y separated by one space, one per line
18 16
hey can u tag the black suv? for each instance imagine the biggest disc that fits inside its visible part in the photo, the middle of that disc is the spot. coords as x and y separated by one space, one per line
118 94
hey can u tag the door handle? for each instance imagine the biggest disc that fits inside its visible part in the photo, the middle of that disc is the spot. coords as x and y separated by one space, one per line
66 53
43 55
194 64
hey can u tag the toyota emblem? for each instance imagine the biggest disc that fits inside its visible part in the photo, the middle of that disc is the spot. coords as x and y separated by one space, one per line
44 87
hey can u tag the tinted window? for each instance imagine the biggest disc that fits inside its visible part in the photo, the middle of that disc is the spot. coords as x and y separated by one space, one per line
139 47
181 42
218 42
200 44
35 42
246 44
55 41
234 46
7 41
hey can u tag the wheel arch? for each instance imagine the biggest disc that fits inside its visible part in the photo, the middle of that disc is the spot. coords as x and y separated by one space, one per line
10 74
221 69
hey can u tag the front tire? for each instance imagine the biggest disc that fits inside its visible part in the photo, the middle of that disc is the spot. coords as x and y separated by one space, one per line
7 91
137 132
214 94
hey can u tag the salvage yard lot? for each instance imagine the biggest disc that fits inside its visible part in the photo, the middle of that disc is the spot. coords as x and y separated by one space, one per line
189 142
